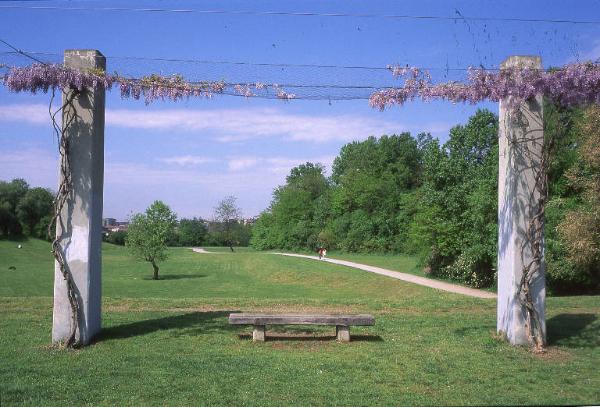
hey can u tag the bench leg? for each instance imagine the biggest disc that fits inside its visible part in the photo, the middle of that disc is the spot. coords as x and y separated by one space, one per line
259 333
343 333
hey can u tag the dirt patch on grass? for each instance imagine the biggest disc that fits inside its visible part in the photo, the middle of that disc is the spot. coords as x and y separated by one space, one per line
554 354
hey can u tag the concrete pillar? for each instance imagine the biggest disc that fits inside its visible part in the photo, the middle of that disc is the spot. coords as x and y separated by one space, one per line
80 226
258 335
521 140
342 332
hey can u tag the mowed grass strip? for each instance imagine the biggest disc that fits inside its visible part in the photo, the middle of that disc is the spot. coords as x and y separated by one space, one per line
168 341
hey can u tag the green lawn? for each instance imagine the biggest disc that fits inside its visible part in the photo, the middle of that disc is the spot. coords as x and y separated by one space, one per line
167 342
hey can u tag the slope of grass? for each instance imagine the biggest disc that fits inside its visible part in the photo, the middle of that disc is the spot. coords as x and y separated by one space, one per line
167 342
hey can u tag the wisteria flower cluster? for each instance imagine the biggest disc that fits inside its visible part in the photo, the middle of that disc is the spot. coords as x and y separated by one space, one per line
40 77
571 85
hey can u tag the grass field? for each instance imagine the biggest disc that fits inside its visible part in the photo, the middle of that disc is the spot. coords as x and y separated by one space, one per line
167 342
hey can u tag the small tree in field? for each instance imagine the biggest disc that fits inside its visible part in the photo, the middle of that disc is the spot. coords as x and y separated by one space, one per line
148 233
228 215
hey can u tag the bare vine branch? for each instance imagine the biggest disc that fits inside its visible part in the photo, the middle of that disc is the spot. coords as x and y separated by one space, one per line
65 189
533 244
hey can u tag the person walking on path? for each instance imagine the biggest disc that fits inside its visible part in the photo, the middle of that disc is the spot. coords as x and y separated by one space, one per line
322 253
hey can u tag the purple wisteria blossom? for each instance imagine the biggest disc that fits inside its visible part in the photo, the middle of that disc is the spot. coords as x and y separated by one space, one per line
571 85
38 77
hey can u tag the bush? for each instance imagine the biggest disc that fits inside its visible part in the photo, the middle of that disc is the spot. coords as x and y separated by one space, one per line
117 237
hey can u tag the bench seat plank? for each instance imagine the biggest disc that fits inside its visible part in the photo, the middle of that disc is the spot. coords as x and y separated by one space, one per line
301 319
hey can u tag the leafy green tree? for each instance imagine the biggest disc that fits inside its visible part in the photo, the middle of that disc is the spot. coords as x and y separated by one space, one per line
572 232
455 229
191 232
370 180
35 205
10 195
148 234
119 237
298 212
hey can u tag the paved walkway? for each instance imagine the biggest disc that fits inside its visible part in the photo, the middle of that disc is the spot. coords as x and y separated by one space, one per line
427 282
201 250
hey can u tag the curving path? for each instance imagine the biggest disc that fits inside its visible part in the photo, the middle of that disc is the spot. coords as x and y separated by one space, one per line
201 250
427 282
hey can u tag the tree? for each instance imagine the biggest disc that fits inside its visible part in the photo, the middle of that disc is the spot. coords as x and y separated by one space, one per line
191 232
228 215
10 195
572 230
148 233
455 228
119 237
35 205
298 212
371 179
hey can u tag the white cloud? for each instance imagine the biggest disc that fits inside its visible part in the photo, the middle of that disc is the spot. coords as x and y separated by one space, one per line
187 160
242 163
191 187
37 166
235 125
30 113
274 165
232 125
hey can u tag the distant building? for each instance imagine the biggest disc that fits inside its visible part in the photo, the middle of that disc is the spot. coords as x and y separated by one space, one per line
110 225
250 221
108 222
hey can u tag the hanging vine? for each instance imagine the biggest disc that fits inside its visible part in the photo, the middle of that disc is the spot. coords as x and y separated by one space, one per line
532 246
65 189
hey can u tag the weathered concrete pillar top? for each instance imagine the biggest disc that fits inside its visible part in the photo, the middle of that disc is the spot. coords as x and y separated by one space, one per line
84 58
524 61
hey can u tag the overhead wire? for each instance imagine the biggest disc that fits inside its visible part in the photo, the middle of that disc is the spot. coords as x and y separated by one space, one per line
264 64
20 52
301 14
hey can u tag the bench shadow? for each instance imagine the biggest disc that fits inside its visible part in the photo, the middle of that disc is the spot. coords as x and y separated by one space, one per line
176 276
574 330
189 324
275 337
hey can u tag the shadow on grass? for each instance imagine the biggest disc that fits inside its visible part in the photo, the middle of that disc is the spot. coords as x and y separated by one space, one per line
574 330
192 323
176 276
277 337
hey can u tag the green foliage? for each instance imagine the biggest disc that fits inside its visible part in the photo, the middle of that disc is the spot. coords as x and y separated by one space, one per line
119 237
372 183
191 232
24 210
456 227
573 212
34 211
297 215
399 194
148 234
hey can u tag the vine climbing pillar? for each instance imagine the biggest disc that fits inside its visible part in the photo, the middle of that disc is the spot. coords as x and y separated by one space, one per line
521 268
79 226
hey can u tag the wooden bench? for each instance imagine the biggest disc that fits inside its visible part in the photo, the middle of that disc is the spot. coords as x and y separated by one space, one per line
342 322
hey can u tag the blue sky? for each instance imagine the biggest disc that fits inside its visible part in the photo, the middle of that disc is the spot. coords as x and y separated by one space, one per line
192 154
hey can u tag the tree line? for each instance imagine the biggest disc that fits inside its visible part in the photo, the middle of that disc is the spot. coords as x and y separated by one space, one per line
227 228
414 195
24 211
